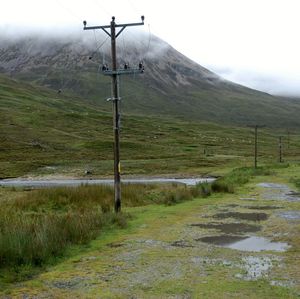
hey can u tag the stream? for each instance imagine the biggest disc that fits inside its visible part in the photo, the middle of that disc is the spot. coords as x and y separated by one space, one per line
36 183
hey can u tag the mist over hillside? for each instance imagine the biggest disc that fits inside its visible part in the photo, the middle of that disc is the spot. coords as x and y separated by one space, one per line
172 85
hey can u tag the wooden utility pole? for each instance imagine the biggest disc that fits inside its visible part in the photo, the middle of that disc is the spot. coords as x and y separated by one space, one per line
280 149
255 143
115 73
255 147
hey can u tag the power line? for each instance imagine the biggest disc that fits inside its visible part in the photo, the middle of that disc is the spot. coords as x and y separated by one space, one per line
98 47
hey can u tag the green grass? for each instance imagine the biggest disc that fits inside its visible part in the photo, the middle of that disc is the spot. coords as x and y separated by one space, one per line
43 133
238 177
172 86
37 226
146 216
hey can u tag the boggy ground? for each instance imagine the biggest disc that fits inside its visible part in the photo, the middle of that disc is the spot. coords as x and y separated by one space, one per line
161 254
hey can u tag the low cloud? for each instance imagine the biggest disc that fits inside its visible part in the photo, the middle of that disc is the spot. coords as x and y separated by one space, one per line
275 84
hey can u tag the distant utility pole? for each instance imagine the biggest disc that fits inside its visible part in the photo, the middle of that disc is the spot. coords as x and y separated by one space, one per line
115 73
280 149
255 143
255 147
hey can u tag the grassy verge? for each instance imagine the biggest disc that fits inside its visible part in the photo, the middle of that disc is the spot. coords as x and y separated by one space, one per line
43 133
39 225
296 182
237 178
151 222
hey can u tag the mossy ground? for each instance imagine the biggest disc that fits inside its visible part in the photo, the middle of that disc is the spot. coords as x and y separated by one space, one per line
158 255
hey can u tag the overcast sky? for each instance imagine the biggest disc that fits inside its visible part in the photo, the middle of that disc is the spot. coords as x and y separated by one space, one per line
252 42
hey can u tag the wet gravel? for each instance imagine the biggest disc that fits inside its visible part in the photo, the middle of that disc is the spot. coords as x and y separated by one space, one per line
290 215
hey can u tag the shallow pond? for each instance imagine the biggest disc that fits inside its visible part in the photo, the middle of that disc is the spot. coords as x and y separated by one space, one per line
76 182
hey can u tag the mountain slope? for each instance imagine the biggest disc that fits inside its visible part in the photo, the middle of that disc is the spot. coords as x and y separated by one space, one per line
172 84
46 133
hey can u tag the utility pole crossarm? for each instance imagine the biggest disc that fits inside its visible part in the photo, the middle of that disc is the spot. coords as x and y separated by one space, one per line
115 25
130 24
95 27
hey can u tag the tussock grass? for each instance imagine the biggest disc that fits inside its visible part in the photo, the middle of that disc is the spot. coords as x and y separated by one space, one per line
184 193
41 224
296 182
38 226
36 238
237 177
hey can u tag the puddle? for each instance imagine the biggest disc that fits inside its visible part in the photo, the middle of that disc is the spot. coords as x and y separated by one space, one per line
290 215
221 240
279 192
242 216
244 243
230 228
258 244
263 207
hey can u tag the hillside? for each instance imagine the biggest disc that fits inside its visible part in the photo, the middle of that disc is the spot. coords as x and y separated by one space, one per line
44 133
172 85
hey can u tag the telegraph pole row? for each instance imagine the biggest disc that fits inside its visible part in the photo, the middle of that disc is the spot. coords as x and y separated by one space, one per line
255 159
255 142
115 73
280 149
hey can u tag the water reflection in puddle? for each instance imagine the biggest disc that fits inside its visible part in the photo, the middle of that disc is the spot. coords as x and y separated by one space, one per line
258 244
244 243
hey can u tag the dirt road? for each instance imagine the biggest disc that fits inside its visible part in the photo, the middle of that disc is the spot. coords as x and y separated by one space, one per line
226 246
